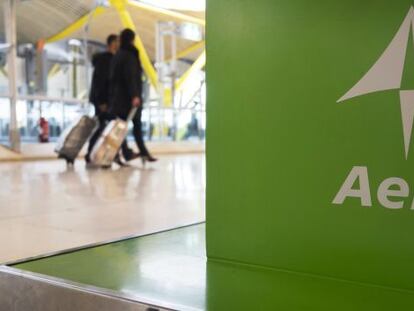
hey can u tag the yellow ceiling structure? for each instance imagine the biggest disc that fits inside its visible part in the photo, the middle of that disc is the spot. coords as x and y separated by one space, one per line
101 25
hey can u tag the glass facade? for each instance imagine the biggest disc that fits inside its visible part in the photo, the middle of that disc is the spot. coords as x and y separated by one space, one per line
159 124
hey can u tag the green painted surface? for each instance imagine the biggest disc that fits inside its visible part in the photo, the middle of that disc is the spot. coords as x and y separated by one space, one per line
167 267
231 287
279 147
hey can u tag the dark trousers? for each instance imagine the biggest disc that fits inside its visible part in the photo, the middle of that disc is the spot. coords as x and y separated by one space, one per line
138 136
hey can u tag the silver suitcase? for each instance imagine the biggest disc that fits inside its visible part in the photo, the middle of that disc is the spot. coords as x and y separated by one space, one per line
74 137
108 145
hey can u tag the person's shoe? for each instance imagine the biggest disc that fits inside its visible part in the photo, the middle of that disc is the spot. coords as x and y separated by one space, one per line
120 162
148 158
132 156
89 163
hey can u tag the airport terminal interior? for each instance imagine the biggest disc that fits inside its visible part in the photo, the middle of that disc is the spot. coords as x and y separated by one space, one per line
206 155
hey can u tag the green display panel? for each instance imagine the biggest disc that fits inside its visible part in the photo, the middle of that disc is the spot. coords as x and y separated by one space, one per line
309 148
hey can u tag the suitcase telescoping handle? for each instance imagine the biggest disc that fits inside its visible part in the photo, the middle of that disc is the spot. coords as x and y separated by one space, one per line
132 113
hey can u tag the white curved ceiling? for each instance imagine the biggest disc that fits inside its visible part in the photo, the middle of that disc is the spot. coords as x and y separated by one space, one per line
41 19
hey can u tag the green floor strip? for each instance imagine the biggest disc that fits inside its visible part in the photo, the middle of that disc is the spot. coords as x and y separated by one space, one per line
168 267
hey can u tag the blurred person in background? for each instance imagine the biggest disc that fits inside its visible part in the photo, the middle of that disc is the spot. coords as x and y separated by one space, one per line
99 94
126 90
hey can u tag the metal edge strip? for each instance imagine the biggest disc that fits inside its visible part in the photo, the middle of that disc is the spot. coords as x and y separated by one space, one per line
93 290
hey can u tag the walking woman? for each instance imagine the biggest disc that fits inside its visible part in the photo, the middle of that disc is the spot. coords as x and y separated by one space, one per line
126 89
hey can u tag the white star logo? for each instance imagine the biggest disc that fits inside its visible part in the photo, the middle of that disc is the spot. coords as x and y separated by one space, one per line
387 73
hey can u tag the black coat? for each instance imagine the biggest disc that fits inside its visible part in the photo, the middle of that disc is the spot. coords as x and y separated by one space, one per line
99 93
125 80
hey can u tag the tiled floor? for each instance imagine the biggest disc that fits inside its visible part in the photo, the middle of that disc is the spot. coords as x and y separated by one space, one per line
44 207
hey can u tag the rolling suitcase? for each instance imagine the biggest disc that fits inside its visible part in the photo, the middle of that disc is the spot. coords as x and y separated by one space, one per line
74 137
108 145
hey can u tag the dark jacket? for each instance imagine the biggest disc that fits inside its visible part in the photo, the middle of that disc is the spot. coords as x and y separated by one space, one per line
99 93
125 80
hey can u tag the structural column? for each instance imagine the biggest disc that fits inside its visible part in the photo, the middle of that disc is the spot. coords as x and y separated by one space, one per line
10 29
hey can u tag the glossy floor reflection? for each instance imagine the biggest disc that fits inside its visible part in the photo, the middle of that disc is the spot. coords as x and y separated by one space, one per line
44 207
